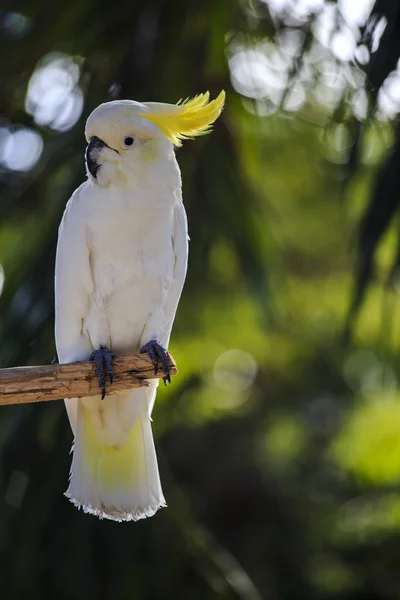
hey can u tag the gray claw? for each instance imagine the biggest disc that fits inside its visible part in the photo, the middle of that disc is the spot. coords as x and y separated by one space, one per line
156 352
102 360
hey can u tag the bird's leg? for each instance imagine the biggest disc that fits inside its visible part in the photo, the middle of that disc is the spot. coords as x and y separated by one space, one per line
156 352
102 359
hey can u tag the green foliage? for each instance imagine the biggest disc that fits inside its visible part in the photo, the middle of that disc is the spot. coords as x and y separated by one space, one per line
369 444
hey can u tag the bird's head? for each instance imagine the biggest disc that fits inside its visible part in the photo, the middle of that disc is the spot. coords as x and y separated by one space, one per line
125 137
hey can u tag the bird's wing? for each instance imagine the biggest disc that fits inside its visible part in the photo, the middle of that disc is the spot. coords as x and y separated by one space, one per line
180 240
73 283
73 287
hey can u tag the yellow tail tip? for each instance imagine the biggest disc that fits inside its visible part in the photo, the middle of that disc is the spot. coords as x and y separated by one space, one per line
188 118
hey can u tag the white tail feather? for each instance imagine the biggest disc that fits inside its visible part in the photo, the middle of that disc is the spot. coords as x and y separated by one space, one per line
118 482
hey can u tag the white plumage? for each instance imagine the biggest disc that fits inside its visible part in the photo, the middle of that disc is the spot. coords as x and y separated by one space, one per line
120 268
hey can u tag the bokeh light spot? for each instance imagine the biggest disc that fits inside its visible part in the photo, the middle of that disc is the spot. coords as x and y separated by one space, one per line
235 370
16 24
2 278
54 97
20 149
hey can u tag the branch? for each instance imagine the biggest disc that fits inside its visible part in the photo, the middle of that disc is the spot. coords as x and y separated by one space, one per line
20 385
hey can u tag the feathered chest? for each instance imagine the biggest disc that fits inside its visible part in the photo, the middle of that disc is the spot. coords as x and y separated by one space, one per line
130 245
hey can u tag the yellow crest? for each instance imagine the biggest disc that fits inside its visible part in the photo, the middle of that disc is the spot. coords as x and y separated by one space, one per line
186 119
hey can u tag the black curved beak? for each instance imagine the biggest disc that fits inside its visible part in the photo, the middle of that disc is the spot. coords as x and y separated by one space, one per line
92 154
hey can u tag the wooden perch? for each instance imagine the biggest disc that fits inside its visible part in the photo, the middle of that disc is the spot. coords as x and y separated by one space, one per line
20 385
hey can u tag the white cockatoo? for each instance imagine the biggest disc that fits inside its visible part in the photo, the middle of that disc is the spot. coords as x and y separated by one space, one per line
120 268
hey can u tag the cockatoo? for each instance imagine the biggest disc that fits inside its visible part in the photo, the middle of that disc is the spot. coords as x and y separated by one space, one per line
120 268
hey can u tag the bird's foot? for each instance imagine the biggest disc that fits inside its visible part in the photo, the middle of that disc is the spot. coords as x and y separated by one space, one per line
102 360
156 352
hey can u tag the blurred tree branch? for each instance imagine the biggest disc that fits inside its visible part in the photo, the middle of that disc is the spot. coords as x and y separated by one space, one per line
20 385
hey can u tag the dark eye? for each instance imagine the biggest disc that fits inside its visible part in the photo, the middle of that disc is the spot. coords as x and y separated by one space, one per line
128 141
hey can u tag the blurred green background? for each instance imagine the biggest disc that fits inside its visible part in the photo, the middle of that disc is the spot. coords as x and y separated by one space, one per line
279 441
